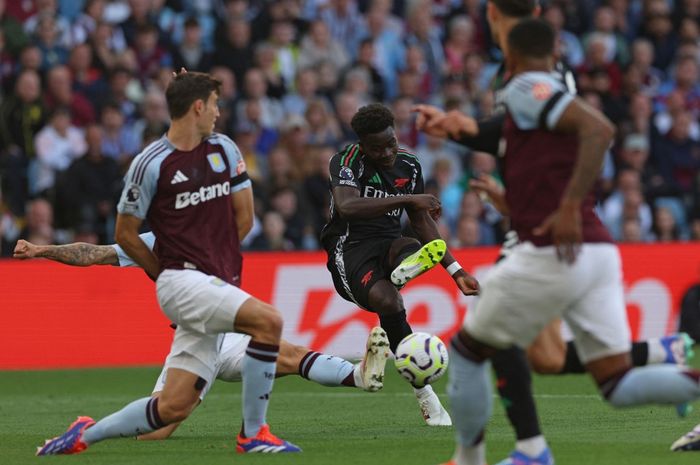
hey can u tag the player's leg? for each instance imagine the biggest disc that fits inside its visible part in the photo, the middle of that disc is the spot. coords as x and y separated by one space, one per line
599 323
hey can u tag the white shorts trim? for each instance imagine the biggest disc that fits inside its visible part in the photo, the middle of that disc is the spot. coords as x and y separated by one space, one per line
531 287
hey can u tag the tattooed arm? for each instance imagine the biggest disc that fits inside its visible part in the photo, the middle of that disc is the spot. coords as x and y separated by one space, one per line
76 254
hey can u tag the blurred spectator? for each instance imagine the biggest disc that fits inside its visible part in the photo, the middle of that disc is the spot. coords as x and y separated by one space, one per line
468 233
57 145
614 45
631 231
685 82
85 78
265 60
345 23
460 34
673 108
255 88
323 127
294 136
570 49
306 86
237 52
404 122
365 61
246 135
60 26
154 110
109 51
346 105
93 189
227 99
46 37
15 38
642 60
266 134
119 141
86 25
424 33
141 17
473 207
8 65
678 155
319 46
38 227
388 47
22 115
60 94
272 237
285 201
658 28
190 53
282 40
150 56
624 203
9 229
665 228
315 187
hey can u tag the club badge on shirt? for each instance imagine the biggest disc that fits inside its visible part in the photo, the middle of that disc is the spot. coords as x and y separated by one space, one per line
216 162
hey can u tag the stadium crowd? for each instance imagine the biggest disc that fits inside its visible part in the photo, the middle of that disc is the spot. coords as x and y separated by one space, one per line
82 92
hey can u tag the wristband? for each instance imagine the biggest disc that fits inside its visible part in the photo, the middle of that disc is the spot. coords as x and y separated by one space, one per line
453 268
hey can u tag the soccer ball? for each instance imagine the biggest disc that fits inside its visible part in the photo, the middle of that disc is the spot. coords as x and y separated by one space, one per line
421 358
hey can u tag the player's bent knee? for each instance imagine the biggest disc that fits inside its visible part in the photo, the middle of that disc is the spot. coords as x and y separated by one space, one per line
173 411
545 364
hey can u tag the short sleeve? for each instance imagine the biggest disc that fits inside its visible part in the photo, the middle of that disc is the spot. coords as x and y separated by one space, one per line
125 260
140 183
536 100
346 168
239 175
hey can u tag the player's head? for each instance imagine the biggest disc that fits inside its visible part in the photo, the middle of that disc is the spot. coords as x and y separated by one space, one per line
374 126
501 14
531 45
195 95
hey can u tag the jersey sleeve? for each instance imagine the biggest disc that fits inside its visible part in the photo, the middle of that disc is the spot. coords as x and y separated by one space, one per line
346 168
140 184
239 175
124 260
536 100
419 187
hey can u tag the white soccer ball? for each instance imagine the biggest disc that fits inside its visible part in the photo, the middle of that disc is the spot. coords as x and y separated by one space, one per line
421 358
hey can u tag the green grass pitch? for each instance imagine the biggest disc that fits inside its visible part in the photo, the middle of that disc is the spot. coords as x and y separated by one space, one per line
333 425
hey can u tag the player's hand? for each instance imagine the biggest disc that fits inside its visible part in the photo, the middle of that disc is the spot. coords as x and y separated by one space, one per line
487 185
466 283
425 115
453 124
565 227
418 202
435 214
24 250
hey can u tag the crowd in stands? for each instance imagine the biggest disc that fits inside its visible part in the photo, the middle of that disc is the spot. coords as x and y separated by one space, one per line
82 92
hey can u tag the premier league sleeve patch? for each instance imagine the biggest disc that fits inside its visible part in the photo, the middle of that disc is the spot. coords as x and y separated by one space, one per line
133 194
346 174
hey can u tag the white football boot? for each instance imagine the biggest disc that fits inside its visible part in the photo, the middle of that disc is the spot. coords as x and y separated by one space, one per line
369 373
433 412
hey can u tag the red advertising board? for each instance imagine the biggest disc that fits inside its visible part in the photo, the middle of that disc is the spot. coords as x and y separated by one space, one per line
55 316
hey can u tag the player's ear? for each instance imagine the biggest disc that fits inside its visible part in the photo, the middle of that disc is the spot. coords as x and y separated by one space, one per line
491 12
537 11
198 106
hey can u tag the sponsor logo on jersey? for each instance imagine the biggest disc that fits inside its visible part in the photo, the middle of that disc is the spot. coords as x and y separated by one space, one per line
204 194
346 173
133 194
401 182
216 162
179 177
375 193
542 91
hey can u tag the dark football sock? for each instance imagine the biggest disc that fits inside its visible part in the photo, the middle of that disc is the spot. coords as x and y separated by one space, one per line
572 364
514 384
396 328
640 353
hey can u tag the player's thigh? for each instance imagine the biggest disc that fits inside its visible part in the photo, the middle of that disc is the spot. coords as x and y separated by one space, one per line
547 353
231 357
520 296
260 320
598 319
199 302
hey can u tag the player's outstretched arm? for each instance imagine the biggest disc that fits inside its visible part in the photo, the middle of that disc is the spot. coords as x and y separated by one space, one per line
483 135
426 230
350 205
76 254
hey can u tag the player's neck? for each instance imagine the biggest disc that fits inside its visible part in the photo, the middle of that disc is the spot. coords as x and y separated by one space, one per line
532 65
183 134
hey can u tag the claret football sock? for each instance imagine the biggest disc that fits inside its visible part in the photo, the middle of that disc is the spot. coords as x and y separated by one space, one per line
327 370
139 417
258 377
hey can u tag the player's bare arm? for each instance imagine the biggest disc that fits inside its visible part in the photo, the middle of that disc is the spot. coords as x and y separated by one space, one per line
76 254
243 205
595 133
426 230
127 236
350 205
437 123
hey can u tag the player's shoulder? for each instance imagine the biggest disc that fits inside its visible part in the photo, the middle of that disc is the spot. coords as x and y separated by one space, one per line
151 157
408 158
535 84
348 155
218 138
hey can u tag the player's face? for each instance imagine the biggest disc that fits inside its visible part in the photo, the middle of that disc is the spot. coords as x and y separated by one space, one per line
210 114
381 148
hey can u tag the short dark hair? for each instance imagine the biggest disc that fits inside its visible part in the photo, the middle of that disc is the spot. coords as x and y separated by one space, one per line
372 119
187 88
516 8
533 38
